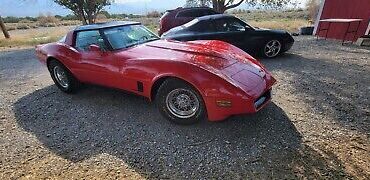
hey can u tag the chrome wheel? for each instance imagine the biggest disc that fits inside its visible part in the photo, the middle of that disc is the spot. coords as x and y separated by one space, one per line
272 48
61 76
182 103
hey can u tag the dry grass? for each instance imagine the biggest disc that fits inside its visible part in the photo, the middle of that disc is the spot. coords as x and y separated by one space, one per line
32 37
38 24
289 25
290 20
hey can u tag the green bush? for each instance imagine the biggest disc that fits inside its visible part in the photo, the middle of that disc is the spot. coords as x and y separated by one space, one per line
11 19
69 17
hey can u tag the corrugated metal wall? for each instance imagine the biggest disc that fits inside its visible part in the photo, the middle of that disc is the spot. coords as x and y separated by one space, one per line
345 9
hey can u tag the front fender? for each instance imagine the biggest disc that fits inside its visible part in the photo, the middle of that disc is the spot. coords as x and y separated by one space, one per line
211 87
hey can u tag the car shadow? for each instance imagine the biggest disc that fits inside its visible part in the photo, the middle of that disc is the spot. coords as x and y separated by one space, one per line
99 120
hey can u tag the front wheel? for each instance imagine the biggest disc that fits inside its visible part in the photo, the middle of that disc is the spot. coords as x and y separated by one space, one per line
62 77
272 48
180 102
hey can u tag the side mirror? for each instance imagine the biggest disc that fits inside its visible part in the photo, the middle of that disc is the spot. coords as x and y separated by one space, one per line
94 48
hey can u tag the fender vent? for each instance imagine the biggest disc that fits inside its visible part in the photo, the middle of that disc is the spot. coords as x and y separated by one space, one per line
140 86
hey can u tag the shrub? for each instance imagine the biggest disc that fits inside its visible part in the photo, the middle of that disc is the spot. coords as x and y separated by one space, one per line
153 14
51 25
23 26
34 26
105 13
101 17
69 17
45 21
10 28
66 23
313 7
11 19
33 19
25 21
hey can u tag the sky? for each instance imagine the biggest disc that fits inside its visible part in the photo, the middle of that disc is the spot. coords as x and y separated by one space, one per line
36 7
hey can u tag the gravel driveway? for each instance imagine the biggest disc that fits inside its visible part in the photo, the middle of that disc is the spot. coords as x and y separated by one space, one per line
317 126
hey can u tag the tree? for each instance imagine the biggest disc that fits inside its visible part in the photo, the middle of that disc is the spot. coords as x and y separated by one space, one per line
3 28
85 10
223 5
197 3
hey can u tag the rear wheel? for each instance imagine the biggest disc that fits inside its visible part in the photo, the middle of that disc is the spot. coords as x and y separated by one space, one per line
62 78
272 48
180 102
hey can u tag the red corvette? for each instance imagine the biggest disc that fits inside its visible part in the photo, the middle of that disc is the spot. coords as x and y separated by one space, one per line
187 80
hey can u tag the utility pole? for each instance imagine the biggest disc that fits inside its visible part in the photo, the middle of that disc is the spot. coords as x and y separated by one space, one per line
2 27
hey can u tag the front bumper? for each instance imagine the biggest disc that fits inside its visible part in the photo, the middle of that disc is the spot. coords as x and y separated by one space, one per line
288 43
238 106
288 46
262 100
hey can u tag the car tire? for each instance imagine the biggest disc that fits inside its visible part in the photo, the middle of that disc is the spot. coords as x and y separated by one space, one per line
180 102
62 77
272 48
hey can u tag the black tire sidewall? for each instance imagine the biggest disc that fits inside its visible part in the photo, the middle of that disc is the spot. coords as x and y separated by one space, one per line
161 96
71 80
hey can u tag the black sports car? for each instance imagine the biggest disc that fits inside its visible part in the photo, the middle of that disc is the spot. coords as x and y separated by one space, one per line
268 43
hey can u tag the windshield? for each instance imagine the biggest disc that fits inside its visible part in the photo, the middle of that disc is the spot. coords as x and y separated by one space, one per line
126 36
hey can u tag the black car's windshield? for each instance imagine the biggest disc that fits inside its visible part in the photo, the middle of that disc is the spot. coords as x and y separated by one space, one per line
130 35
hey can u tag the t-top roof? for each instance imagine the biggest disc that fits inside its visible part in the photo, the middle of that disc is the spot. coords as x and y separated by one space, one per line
105 25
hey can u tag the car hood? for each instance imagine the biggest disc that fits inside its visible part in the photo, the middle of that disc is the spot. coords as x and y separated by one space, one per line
209 54
222 59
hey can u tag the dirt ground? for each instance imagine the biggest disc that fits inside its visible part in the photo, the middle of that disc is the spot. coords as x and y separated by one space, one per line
317 125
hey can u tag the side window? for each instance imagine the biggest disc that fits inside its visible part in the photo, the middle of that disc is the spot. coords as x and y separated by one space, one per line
234 25
220 25
203 26
229 25
86 38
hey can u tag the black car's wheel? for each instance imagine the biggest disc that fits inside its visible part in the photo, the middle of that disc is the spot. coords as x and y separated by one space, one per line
62 77
180 102
272 48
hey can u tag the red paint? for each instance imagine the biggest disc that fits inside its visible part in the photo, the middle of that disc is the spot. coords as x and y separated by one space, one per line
345 9
212 67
